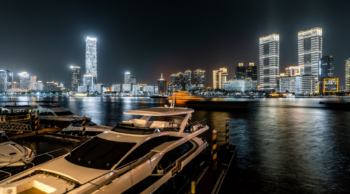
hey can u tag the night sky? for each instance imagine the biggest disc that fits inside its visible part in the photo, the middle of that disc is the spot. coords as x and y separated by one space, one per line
151 37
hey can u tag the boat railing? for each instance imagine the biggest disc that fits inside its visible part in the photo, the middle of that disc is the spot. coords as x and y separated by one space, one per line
9 170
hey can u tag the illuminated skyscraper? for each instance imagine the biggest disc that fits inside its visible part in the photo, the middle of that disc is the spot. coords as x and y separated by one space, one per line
292 71
240 71
347 75
161 84
325 70
32 85
252 72
6 80
187 77
75 77
219 77
269 60
127 78
24 81
309 51
199 76
91 56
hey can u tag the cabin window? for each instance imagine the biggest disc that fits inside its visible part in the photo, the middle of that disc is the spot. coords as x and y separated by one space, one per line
145 148
3 138
171 156
99 153
46 113
64 113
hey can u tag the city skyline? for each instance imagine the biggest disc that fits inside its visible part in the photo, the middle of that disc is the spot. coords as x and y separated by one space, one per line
118 46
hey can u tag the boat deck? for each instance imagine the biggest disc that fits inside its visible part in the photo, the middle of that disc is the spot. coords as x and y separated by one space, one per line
33 191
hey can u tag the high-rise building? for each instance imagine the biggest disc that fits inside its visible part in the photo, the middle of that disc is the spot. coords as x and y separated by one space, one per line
309 51
199 76
269 60
24 81
75 76
305 84
52 87
32 85
133 80
187 77
91 56
326 67
252 72
292 71
161 84
219 78
6 80
127 76
240 72
89 80
347 75
39 86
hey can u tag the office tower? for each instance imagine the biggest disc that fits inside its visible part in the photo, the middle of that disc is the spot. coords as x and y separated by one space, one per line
24 80
127 78
269 60
52 87
305 84
252 72
91 56
161 84
219 77
75 77
6 80
187 77
240 72
347 75
309 51
39 86
32 85
326 67
89 80
241 85
199 77
292 71
133 80
173 79
287 84
180 78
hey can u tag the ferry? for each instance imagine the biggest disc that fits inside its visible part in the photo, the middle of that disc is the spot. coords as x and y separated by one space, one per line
137 156
13 154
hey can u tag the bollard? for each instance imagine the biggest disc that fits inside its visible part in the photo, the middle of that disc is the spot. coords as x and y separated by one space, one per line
215 150
193 187
36 122
84 125
227 135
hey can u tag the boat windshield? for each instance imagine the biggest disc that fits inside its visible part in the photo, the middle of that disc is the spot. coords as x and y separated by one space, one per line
99 153
3 138
64 113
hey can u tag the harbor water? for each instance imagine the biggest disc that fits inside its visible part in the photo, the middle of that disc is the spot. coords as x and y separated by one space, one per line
284 145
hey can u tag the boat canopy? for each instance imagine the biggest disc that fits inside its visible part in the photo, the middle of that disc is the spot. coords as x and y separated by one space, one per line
160 111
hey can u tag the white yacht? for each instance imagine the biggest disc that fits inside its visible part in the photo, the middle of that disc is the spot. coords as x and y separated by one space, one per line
13 154
91 129
57 116
136 156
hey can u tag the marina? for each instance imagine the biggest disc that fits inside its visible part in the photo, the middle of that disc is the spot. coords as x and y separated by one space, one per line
243 169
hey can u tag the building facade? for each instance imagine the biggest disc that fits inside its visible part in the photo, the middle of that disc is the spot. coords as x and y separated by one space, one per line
187 77
241 85
75 76
199 77
306 84
287 84
252 72
219 78
6 80
309 51
39 86
269 58
24 81
347 75
162 84
240 71
89 80
33 80
292 71
91 56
